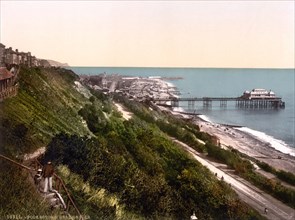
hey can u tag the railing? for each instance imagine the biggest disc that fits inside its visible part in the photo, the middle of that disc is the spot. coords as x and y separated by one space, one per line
16 163
58 183
195 99
9 92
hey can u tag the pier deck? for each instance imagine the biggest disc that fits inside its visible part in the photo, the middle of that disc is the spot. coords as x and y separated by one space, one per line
273 102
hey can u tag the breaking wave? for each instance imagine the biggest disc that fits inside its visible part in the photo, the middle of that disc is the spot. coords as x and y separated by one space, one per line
178 109
205 118
273 142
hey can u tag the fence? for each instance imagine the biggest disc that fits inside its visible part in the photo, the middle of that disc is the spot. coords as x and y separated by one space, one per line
59 184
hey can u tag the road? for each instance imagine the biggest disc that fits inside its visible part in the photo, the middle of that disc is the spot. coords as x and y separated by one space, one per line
248 193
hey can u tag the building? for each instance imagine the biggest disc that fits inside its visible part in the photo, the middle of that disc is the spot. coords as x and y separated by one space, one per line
9 57
34 61
259 94
8 85
2 55
12 59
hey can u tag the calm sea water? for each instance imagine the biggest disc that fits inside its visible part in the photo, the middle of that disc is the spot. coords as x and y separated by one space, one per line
275 126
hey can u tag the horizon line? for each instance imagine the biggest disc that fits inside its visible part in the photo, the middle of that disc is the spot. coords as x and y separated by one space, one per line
177 67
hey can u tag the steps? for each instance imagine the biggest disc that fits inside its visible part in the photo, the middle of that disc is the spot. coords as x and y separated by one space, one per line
53 197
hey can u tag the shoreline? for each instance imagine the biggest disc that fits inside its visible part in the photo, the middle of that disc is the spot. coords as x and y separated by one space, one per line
248 144
244 142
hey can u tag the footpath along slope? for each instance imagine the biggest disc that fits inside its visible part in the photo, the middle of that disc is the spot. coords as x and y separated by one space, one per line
247 192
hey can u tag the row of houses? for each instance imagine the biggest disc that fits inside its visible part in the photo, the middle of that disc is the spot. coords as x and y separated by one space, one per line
9 57
9 67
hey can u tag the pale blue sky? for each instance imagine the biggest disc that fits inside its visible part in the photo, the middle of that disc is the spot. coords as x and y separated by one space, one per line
153 33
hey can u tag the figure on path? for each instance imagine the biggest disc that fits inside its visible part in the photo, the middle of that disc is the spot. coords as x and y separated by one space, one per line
265 211
38 177
47 173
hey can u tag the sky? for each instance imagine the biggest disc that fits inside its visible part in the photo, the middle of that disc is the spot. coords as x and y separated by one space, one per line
236 34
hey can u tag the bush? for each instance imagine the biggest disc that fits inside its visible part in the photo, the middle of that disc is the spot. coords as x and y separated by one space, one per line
273 187
286 176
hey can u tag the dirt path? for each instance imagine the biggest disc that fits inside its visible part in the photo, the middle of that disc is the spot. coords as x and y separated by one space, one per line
35 154
126 115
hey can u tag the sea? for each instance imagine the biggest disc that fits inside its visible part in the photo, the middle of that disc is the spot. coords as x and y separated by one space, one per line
273 126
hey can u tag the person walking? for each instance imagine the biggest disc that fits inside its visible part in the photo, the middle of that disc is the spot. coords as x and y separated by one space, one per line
38 177
47 173
265 211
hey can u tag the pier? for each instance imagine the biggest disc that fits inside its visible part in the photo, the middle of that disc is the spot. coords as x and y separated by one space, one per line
241 102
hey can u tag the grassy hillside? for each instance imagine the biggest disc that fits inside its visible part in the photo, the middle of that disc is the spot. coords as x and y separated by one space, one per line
47 103
115 169
140 169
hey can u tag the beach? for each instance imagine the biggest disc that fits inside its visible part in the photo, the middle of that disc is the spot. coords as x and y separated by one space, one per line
248 144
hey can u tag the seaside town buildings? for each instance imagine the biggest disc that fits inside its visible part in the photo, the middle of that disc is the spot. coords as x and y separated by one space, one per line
10 61
9 57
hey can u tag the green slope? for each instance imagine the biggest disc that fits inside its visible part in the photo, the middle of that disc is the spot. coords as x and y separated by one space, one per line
47 103
115 169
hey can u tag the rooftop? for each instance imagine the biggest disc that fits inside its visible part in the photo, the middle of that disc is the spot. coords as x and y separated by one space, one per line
5 74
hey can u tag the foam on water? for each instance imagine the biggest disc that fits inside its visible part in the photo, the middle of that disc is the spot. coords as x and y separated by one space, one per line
178 109
171 87
169 84
275 143
205 118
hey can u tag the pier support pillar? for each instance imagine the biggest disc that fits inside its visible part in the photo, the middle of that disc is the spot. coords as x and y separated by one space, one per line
223 103
207 103
191 104
175 103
